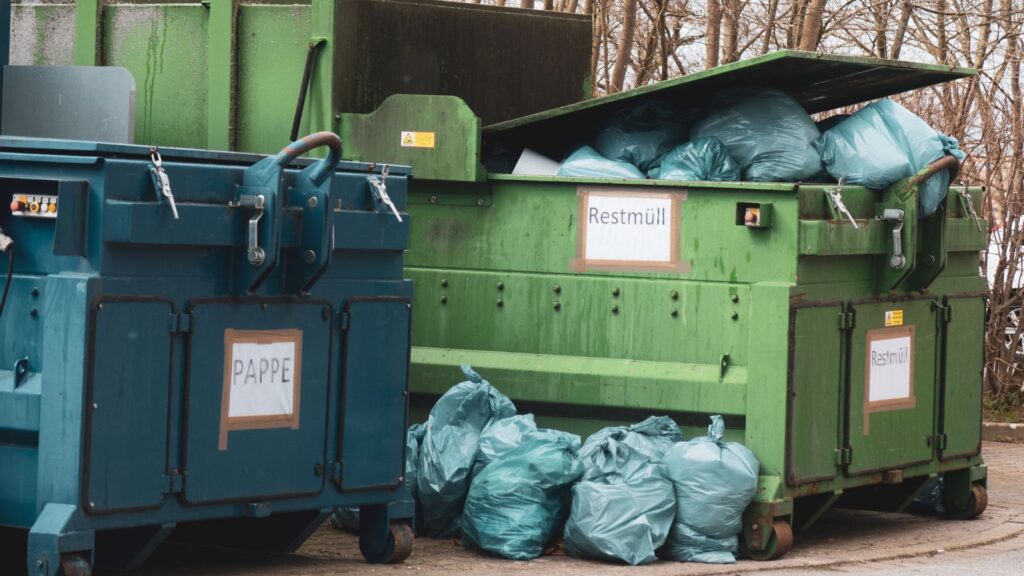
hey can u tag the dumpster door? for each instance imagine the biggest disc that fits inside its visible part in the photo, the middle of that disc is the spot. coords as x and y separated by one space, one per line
814 399
256 399
963 360
892 384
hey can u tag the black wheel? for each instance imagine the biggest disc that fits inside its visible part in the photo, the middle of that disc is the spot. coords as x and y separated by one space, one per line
396 549
976 504
779 542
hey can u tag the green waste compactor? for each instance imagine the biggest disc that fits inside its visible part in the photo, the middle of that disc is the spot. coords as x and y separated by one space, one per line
843 345
771 324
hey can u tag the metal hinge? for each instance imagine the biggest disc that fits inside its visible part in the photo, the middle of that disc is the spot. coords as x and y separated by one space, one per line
336 472
846 320
181 323
343 320
174 484
844 456
945 312
938 441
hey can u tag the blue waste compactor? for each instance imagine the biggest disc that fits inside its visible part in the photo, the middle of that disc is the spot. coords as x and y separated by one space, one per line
207 345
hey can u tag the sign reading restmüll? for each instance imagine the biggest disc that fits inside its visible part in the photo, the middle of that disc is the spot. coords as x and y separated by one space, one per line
624 229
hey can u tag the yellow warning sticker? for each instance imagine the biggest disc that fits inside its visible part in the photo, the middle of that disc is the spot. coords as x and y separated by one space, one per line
893 318
417 139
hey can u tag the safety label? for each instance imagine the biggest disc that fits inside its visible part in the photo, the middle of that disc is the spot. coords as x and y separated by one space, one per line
262 380
894 318
417 139
628 230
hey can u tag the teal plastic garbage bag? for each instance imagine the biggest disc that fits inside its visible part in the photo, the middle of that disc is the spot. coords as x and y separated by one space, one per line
766 132
348 518
518 502
589 163
623 507
883 143
714 482
449 449
502 436
642 134
703 159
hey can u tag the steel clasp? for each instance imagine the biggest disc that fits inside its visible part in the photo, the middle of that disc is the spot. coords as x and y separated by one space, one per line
967 203
379 190
160 180
835 198
254 253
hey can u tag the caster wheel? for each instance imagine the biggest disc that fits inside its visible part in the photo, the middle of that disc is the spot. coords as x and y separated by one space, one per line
780 541
397 548
75 565
976 504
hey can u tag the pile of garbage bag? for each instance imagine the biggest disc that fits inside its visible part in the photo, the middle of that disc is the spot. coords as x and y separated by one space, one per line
624 505
883 143
701 159
631 494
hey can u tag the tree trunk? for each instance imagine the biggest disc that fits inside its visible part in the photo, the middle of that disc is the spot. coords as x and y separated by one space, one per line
731 31
714 28
769 29
811 29
625 47
901 29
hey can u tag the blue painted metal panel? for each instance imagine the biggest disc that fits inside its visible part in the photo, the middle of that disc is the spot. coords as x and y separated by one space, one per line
379 411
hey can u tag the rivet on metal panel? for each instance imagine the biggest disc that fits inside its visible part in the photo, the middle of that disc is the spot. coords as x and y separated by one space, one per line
309 256
479 201
444 283
674 295
444 299
312 202
615 309
735 315
501 285
500 302
735 298
557 306
433 199
95 406
35 292
34 312
615 292
557 289
99 306
675 312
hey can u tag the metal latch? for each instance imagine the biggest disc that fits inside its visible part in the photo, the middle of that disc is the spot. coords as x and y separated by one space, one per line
257 202
835 198
898 260
968 205
160 180
379 191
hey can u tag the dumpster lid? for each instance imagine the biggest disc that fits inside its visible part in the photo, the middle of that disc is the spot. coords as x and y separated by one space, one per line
116 150
819 82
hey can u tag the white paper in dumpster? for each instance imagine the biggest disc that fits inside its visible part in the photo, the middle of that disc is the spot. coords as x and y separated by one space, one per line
532 164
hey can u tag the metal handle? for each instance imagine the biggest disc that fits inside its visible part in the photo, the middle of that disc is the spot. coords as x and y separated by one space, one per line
945 163
898 260
319 171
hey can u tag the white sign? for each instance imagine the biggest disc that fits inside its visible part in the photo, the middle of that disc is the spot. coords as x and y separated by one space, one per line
623 229
890 368
262 379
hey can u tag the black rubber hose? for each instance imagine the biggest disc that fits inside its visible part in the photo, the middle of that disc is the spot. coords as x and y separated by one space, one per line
10 275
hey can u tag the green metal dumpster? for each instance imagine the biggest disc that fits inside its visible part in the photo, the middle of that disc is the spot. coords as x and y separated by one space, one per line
772 325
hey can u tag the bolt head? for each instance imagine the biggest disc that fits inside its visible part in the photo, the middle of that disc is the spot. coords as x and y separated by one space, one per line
312 202
734 315
557 305
309 256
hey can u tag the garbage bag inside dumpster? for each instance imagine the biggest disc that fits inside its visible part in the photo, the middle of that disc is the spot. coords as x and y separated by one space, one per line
347 519
767 132
642 134
589 163
449 449
714 482
623 507
883 143
501 437
703 159
520 501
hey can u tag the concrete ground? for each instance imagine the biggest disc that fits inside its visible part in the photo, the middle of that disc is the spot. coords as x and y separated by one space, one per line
843 541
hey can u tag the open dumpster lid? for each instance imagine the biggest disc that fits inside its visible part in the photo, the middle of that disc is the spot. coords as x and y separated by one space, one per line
819 82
